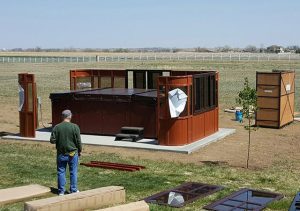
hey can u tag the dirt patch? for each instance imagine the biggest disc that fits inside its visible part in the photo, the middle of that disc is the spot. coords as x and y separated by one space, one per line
268 146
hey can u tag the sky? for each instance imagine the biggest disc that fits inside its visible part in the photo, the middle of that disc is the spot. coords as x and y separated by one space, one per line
148 23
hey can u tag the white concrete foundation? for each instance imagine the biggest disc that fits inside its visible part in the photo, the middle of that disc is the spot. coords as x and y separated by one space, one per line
149 144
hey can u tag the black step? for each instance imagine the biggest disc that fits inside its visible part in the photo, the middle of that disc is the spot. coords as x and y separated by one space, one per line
127 137
133 130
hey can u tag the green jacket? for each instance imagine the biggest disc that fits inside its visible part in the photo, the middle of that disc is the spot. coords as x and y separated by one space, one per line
66 136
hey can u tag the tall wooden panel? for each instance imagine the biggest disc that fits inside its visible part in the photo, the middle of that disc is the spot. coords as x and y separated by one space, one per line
28 104
173 131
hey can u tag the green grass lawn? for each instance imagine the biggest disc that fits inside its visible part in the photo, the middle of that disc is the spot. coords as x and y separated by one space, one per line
27 163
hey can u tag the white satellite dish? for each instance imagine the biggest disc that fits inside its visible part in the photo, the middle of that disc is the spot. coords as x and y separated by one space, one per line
177 101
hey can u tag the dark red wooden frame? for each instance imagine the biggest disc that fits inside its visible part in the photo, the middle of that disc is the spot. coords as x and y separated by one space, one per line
28 117
97 73
105 113
188 128
109 165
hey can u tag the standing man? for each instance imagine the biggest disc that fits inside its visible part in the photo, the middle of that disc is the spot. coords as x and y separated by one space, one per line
66 136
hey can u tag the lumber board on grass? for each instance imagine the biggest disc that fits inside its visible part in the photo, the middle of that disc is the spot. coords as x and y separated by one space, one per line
134 206
15 194
90 199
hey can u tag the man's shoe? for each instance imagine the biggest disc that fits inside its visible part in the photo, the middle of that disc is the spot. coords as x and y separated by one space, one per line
61 194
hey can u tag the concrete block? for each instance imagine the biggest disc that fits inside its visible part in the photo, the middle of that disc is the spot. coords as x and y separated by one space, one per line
10 195
90 199
134 206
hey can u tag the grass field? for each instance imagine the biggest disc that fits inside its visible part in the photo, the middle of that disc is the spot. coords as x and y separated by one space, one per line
27 162
18 166
54 76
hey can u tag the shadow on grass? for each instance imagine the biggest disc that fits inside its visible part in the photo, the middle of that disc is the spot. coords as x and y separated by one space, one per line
215 163
54 190
4 133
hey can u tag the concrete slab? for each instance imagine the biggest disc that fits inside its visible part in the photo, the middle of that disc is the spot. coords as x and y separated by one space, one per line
297 119
10 195
149 144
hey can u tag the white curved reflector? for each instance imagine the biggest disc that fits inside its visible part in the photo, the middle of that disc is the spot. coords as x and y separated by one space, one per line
177 101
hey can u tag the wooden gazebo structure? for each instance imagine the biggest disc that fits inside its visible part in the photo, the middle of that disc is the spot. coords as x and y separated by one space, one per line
103 101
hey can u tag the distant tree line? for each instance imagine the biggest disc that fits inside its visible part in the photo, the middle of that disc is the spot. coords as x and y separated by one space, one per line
226 48
252 49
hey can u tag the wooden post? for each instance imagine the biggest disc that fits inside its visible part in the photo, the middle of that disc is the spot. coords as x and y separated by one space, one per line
28 105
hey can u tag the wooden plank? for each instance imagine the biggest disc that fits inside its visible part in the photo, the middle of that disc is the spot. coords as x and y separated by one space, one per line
287 109
119 164
134 206
267 124
287 83
198 123
15 194
268 91
267 102
267 114
268 78
90 199
109 166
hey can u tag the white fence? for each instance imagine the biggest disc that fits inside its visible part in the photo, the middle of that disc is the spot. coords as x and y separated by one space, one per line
153 57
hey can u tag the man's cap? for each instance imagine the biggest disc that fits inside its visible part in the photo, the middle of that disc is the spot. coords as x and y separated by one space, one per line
66 113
